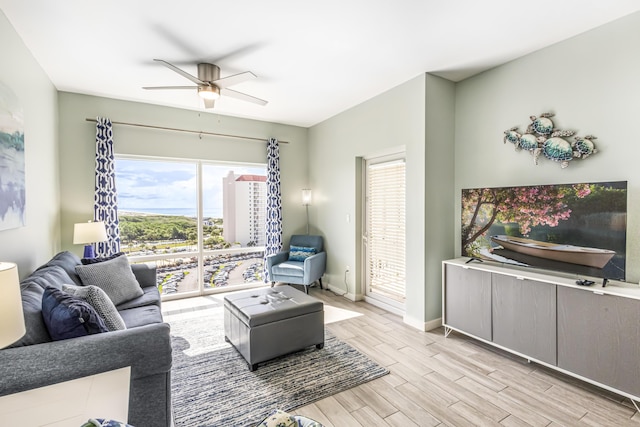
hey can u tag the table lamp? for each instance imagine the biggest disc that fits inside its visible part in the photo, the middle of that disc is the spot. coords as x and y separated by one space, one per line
89 233
11 318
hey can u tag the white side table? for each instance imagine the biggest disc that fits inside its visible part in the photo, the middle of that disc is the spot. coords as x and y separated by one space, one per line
70 403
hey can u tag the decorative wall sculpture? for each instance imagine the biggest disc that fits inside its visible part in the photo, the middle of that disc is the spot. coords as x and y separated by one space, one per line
12 179
541 137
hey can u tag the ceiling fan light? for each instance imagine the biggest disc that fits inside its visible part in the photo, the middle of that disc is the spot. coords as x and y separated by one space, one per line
209 92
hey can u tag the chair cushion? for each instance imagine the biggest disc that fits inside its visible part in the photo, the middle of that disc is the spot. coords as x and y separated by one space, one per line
289 268
300 253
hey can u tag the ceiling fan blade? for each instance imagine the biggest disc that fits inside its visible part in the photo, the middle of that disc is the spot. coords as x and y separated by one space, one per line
243 96
181 72
209 103
235 79
169 87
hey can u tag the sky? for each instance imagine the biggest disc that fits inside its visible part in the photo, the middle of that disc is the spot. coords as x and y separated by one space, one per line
144 184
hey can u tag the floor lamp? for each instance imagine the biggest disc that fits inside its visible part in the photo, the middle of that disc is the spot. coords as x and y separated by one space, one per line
306 201
11 317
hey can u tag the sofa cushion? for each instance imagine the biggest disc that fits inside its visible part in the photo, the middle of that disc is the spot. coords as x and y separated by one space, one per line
140 316
151 296
67 316
36 330
100 302
114 277
67 261
145 274
32 289
300 253
53 275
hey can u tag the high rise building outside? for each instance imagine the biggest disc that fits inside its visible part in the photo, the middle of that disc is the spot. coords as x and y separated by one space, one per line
244 209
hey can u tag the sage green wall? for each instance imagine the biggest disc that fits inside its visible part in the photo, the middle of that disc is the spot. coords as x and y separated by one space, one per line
392 120
439 173
592 83
35 243
77 150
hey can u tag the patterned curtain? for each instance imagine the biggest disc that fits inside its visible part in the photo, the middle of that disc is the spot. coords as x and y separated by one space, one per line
105 206
274 204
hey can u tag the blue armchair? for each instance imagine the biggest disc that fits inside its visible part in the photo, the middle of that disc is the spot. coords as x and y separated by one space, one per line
299 267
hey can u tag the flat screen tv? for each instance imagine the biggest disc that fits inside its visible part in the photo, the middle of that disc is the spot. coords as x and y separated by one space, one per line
574 228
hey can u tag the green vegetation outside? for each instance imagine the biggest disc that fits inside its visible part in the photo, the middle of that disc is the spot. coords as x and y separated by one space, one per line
137 230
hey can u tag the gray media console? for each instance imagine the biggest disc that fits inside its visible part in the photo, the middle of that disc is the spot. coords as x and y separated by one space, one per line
591 333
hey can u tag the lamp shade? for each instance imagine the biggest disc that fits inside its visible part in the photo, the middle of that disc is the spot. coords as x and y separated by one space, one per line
11 317
89 232
306 196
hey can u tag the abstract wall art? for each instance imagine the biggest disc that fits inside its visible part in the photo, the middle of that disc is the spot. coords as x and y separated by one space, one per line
12 170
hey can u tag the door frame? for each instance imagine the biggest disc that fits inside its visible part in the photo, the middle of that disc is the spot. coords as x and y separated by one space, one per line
388 304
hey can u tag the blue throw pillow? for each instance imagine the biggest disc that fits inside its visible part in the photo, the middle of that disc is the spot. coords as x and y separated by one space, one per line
87 261
67 316
300 253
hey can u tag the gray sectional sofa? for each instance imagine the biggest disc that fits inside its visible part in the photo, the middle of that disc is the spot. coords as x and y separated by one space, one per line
145 345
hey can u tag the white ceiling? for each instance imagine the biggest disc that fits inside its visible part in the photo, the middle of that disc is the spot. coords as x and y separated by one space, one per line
313 59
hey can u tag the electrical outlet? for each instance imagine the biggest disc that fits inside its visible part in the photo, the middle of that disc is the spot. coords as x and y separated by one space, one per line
347 269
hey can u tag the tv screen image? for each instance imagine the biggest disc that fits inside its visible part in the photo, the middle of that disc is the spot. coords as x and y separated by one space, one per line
575 228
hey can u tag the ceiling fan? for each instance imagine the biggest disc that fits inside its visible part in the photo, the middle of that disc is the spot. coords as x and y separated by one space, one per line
209 84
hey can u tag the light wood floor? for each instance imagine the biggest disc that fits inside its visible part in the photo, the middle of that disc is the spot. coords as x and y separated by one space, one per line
454 381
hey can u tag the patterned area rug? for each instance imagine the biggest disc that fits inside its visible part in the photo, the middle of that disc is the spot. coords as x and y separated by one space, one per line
212 385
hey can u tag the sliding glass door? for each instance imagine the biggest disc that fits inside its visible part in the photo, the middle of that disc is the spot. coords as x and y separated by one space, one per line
201 223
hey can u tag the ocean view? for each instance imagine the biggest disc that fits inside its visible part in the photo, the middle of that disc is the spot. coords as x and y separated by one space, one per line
189 212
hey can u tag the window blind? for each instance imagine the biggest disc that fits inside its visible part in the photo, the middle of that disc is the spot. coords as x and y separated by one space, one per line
386 185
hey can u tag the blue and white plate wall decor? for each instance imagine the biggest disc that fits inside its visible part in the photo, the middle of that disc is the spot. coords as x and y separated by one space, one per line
541 137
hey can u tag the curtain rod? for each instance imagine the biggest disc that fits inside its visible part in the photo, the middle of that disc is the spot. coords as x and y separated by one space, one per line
251 138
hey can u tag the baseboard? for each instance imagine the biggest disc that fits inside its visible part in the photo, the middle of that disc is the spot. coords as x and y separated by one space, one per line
340 291
423 326
391 309
420 325
433 324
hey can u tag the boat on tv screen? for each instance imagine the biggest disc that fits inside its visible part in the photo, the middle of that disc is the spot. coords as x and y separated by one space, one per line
575 228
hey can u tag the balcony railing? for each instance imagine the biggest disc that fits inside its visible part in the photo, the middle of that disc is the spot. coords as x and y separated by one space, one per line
224 269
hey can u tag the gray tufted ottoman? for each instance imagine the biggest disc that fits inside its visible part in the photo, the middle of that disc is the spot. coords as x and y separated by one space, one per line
266 323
